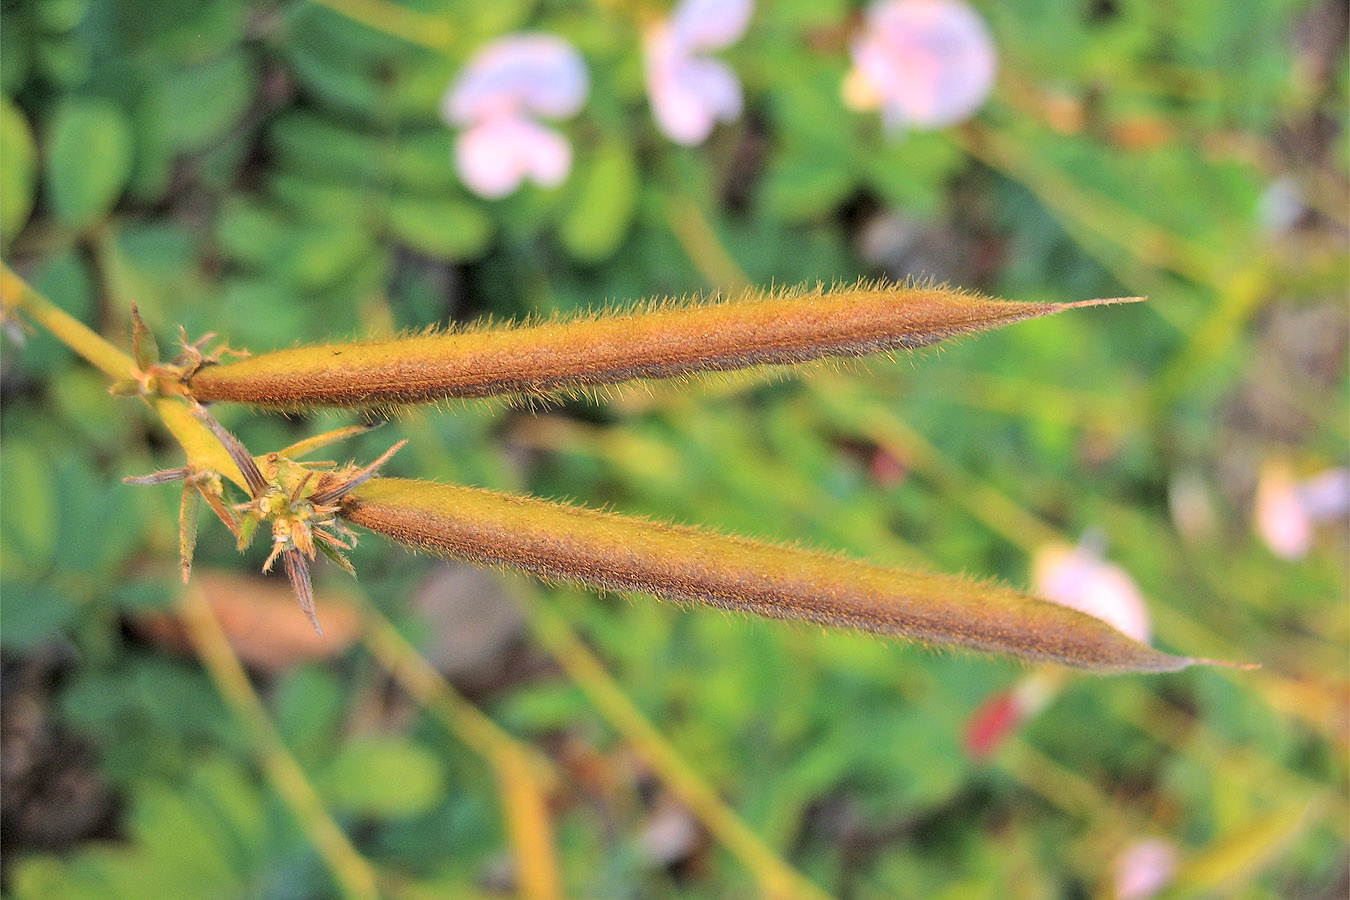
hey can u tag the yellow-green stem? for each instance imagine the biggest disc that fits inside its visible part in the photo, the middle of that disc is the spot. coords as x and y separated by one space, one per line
524 776
201 447
354 875
15 293
776 878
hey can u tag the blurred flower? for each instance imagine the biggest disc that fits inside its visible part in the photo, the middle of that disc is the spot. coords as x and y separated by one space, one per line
1281 206
925 64
1188 501
690 93
1005 711
496 99
1077 577
495 156
1287 508
1144 868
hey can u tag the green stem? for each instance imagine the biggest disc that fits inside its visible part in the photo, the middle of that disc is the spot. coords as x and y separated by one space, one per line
15 293
201 447
524 776
776 878
354 874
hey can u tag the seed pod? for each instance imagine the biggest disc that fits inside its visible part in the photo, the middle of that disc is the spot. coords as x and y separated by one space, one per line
686 564
662 341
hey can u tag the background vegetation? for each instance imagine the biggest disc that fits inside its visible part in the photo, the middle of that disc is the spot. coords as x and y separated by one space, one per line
278 172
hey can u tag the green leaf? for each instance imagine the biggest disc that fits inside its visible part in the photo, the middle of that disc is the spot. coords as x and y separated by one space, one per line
355 69
910 172
144 595
605 202
309 705
384 776
88 162
249 232
199 104
167 817
28 516
324 201
63 61
18 170
60 15
447 229
800 189
33 615
16 53
50 878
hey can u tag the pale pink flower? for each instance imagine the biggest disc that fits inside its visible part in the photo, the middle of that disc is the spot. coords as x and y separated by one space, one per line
494 156
504 87
1079 578
1287 509
926 64
690 92
1145 867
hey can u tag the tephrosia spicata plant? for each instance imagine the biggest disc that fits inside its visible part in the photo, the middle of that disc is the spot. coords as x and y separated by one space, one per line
309 507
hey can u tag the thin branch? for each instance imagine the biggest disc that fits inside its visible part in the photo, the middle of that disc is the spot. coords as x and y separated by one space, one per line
776 878
355 876
203 450
15 293
524 776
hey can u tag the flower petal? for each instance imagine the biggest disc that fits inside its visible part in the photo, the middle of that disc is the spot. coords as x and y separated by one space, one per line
1326 495
527 72
1280 517
689 94
1145 867
931 61
495 156
710 24
1077 577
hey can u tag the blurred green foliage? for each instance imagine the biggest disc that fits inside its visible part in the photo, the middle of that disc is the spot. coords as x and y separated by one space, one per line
277 172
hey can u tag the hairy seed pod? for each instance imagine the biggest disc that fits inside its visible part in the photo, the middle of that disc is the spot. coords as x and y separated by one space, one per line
662 341
686 564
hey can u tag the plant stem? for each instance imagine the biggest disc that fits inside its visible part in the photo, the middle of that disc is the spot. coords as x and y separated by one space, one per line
353 873
524 776
776 878
201 447
15 293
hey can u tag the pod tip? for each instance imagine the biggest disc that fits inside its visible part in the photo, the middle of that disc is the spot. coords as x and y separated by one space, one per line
1225 664
1101 301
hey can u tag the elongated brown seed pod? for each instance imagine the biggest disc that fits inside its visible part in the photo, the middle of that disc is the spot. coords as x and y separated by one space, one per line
662 341
679 563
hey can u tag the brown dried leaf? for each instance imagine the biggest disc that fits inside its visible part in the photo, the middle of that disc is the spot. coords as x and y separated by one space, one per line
258 617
